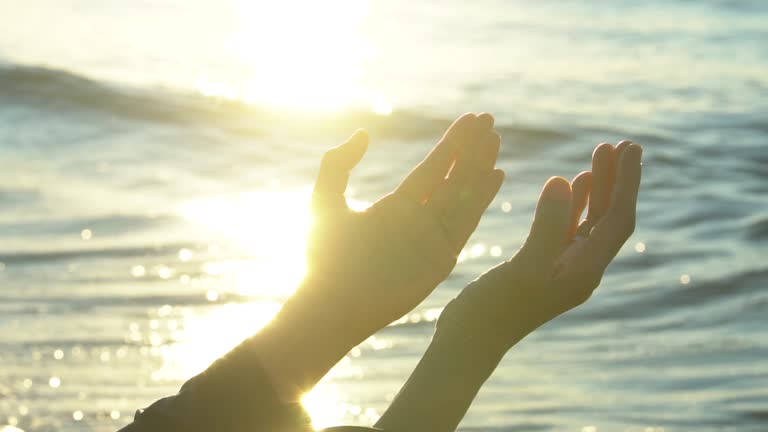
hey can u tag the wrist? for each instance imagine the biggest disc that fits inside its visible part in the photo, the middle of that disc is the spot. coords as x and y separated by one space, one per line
304 341
320 305
476 326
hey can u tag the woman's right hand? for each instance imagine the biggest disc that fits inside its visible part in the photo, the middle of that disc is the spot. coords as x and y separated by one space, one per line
562 261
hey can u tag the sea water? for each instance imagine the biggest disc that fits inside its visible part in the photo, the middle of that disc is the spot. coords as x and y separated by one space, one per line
156 160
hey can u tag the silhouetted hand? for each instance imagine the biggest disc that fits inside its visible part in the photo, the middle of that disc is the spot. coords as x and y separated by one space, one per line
562 261
372 267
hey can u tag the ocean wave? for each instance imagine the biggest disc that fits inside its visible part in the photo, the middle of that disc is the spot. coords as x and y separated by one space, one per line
57 90
17 197
684 297
70 254
757 230
54 305
110 224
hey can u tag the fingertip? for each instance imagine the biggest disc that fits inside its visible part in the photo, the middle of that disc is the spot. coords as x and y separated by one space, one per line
602 150
360 135
557 189
462 125
485 120
349 154
498 175
584 177
493 180
551 221
621 146
634 151
632 155
492 184
468 117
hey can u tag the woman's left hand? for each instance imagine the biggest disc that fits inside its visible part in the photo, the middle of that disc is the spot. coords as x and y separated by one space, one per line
372 267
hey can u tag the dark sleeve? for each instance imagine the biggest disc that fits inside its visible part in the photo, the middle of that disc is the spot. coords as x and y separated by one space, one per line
233 395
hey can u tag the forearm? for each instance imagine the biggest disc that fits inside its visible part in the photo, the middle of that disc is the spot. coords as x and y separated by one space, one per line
304 341
257 385
446 380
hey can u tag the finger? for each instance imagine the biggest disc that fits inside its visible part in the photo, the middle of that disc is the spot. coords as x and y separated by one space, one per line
582 232
628 179
485 121
609 235
488 152
462 222
603 176
551 222
620 147
335 168
464 170
434 168
580 188
447 195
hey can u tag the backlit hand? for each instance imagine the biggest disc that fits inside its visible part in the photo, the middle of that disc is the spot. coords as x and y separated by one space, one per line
374 266
563 261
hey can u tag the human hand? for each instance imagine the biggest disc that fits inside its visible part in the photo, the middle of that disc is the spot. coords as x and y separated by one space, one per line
372 267
562 261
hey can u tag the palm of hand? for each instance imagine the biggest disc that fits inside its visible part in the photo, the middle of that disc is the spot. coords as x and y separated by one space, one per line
393 255
563 261
382 262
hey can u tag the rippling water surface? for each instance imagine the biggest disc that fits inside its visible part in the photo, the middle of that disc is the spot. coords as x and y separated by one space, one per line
156 164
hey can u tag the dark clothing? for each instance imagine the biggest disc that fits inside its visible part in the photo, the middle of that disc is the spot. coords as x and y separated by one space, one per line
233 395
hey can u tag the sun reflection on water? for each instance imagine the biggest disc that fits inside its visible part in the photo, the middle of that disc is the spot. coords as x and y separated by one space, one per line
270 226
203 338
190 347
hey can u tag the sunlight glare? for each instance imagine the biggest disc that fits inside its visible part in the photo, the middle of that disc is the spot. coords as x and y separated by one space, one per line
205 338
303 54
325 406
271 226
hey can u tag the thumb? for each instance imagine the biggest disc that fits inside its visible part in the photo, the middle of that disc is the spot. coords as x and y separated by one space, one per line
335 168
551 223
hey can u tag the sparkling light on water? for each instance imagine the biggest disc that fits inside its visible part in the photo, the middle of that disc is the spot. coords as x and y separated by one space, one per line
185 254
54 382
477 250
212 295
138 271
206 337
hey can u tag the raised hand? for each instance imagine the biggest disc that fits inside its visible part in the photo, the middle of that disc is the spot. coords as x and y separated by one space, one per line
557 269
374 266
366 269
562 261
